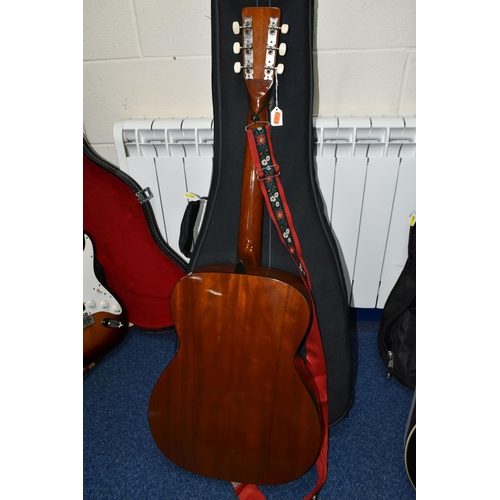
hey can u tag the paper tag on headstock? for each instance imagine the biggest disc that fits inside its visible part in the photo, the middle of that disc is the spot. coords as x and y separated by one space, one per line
276 117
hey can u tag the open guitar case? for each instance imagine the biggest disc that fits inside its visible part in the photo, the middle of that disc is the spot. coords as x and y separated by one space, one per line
293 147
139 266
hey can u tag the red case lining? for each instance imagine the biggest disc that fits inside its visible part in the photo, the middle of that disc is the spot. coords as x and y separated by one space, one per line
137 270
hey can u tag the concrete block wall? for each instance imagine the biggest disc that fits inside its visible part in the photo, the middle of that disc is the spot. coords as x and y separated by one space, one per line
152 58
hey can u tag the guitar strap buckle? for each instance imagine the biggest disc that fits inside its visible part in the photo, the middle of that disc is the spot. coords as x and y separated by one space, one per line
256 122
261 172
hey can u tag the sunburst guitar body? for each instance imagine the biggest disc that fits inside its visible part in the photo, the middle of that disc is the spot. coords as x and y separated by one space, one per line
237 401
104 320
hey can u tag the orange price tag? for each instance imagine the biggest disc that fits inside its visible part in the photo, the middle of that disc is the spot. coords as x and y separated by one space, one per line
276 117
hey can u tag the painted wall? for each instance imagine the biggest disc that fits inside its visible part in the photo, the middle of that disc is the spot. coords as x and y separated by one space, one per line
152 58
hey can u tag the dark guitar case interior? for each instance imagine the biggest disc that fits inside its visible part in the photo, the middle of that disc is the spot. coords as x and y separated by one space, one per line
138 264
293 147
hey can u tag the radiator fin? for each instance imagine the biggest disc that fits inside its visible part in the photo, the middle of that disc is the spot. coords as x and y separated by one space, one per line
366 170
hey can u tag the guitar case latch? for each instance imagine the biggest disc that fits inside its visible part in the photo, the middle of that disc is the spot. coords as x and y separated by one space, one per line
144 195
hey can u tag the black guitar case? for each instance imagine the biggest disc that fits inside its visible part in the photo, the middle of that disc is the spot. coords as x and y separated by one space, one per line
411 443
293 147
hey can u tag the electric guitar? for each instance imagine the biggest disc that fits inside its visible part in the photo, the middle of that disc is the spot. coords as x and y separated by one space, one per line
236 402
104 320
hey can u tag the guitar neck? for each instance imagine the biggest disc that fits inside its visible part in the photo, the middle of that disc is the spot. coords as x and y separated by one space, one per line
251 210
260 28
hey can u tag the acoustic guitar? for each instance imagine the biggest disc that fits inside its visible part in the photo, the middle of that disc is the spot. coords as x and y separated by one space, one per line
236 402
104 320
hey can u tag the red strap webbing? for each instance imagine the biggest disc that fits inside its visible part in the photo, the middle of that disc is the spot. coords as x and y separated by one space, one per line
248 491
268 173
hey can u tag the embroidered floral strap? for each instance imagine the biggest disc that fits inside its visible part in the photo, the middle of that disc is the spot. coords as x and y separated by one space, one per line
268 173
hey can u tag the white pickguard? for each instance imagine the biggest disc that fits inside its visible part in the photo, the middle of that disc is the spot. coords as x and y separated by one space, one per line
96 298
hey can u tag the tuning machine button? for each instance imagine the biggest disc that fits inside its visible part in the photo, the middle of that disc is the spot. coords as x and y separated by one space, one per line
268 70
248 69
247 25
282 49
236 47
284 29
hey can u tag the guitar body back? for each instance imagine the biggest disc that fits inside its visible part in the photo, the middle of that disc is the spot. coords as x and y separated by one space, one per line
231 404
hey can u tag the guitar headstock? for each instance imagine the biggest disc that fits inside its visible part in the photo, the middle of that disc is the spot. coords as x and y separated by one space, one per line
260 32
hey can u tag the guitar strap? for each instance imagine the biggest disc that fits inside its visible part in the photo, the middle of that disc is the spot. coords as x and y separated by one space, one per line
268 173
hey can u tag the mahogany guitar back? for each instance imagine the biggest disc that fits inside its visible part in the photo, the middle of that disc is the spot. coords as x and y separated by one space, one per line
231 404
236 402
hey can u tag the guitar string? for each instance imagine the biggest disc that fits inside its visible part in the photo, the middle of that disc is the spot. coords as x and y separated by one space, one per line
270 250
269 218
255 118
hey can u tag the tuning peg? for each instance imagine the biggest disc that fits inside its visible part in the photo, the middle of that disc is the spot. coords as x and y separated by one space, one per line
282 49
236 47
237 67
284 29
280 68
236 27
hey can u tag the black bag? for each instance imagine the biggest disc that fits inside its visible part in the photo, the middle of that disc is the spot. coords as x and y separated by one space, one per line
186 237
397 331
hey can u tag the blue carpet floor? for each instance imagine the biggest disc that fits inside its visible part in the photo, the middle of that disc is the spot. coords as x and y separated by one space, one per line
121 460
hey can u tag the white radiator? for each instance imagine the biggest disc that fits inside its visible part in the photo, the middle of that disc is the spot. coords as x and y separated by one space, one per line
366 169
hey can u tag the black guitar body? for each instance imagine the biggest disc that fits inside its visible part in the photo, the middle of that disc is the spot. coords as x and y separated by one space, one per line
411 443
